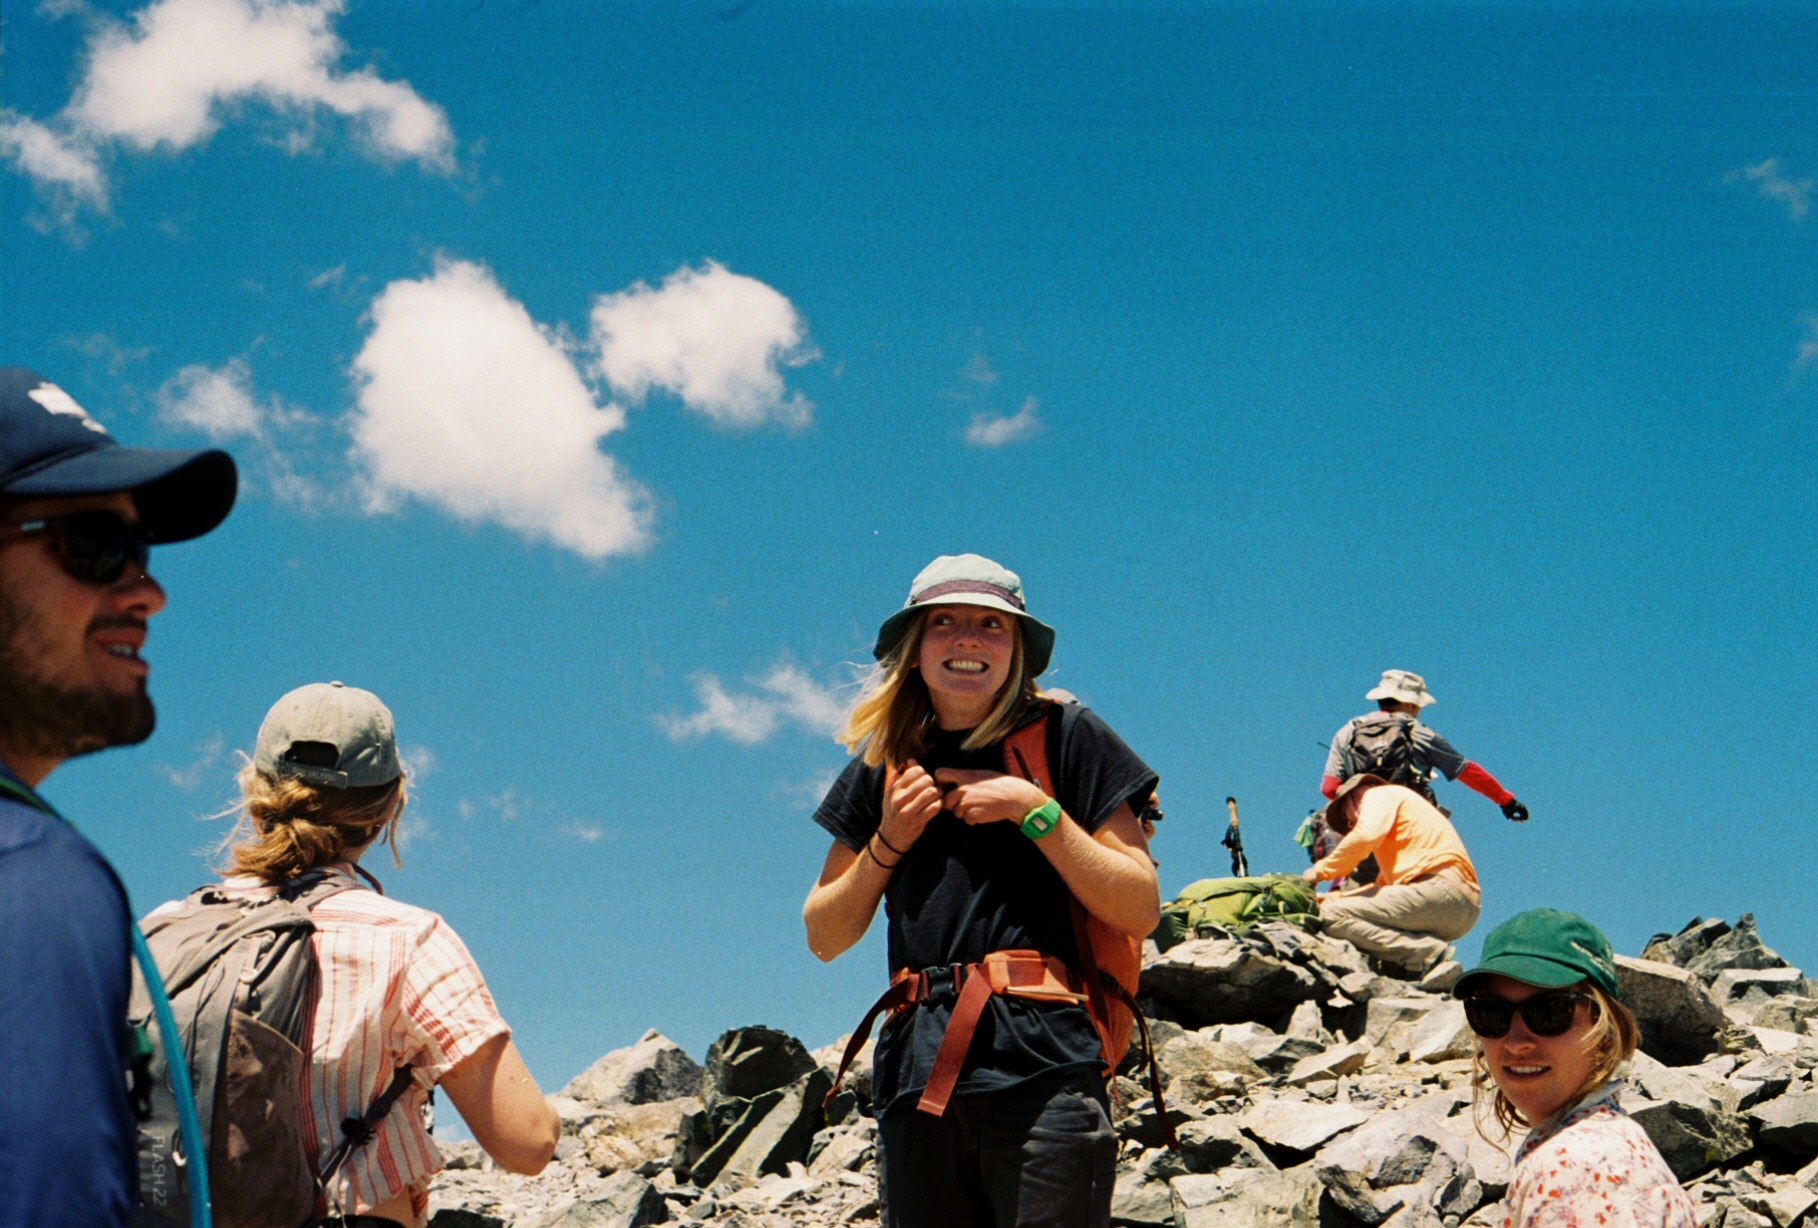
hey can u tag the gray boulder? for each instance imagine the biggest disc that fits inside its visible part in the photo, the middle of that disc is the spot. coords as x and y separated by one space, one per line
747 1062
652 1070
1403 1160
1789 1122
1687 1084
1300 1126
1208 1144
1740 948
1680 1022
1197 1068
1688 944
769 1131
1443 1036
1248 1198
1331 1064
1693 1140
1757 984
629 1201
629 1136
1140 1201
1227 980
1762 1079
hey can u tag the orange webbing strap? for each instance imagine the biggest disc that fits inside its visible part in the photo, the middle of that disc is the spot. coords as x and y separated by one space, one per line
1017 974
906 989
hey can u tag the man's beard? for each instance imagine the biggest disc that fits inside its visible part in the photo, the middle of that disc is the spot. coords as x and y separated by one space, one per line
41 719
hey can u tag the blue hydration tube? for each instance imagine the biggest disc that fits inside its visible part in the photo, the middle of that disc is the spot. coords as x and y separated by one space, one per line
177 1065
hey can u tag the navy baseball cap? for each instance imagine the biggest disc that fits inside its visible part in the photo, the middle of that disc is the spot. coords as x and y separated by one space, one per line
50 447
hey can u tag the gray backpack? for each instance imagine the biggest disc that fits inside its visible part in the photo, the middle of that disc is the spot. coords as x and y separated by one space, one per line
1382 744
241 976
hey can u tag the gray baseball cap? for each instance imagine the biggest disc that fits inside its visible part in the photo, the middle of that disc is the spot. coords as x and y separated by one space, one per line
329 733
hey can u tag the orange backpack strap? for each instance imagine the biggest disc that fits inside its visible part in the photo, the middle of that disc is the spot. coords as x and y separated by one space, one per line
1026 755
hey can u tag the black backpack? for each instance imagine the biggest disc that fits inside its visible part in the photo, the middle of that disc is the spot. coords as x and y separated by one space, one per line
1382 744
241 974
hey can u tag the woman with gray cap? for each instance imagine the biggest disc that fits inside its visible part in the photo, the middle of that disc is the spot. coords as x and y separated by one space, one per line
1000 1118
1552 1031
398 987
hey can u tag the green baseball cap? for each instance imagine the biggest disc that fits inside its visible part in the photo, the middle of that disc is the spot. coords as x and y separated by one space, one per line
1547 948
969 579
329 733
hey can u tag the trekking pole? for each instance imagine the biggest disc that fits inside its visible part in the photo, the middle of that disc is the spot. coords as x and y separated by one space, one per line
1234 840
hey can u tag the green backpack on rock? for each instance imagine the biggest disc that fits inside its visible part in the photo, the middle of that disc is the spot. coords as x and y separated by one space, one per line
1236 904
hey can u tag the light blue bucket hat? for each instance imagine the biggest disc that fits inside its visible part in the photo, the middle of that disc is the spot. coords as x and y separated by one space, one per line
969 579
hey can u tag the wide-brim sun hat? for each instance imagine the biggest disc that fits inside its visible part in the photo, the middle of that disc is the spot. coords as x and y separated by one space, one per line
969 579
1402 685
51 448
1548 949
1363 780
332 734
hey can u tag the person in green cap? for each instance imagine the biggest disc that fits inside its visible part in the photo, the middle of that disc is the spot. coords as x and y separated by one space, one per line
1552 1032
990 1090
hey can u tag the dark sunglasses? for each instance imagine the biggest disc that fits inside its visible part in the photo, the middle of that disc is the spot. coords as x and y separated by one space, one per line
1546 1014
94 547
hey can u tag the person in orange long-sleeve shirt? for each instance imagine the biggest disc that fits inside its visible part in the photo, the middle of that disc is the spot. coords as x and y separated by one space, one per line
1426 895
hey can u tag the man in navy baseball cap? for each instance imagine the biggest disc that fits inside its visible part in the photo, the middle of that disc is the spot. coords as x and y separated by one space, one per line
79 514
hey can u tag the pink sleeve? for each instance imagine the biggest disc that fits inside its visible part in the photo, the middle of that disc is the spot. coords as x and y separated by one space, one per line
1328 785
448 1011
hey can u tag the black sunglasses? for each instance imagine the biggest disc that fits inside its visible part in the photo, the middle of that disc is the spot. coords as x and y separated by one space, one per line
94 547
1546 1014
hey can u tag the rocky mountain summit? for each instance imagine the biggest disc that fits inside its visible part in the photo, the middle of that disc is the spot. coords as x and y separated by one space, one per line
1307 1090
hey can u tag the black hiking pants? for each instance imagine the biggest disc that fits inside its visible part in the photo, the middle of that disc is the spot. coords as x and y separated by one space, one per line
1042 1155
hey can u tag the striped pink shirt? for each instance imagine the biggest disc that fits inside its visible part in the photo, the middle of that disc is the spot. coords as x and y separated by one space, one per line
397 988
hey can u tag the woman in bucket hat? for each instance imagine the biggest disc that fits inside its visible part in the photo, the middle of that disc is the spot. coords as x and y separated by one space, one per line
398 988
1552 1031
976 861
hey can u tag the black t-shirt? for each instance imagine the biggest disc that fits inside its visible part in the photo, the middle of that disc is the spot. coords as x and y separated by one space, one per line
964 891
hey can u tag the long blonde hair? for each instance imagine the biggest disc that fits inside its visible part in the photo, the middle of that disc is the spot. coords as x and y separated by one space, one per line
1612 1040
889 723
297 827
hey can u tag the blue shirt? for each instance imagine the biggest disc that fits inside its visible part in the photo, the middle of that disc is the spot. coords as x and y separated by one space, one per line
67 1131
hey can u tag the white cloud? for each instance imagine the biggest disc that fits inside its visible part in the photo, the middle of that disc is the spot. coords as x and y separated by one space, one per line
784 693
217 402
979 371
711 337
587 833
166 79
67 171
467 403
1808 347
220 403
1794 194
992 431
209 752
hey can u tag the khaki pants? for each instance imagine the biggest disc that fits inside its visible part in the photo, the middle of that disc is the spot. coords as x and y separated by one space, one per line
1405 923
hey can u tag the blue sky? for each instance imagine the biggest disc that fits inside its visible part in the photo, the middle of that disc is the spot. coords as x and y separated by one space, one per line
601 374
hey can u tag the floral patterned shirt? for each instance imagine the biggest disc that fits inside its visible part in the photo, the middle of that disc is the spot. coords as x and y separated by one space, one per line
1593 1167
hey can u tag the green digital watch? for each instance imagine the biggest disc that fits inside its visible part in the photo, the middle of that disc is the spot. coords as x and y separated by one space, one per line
1042 820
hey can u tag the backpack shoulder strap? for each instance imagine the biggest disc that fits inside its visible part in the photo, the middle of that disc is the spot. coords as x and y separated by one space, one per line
359 1131
1026 749
25 795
